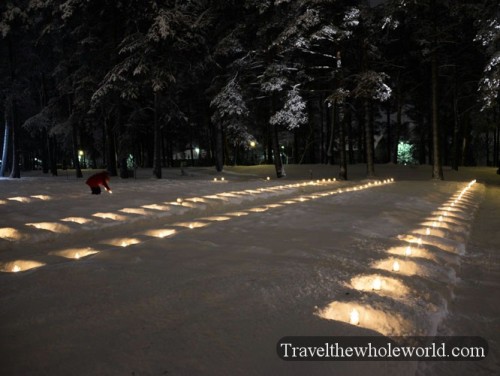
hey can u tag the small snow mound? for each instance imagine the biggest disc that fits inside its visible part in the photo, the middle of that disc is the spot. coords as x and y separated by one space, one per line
19 266
386 322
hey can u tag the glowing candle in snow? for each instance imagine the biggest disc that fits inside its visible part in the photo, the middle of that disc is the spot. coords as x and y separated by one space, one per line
408 251
268 178
434 224
179 200
77 255
222 179
215 179
124 244
377 284
191 226
395 266
440 218
428 231
354 317
419 242
16 269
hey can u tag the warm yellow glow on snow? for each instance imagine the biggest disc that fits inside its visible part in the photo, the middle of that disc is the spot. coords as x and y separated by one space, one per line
258 210
354 317
395 266
79 220
42 197
160 233
415 253
237 214
19 266
51 226
354 313
191 225
10 234
20 199
122 242
219 218
137 211
156 207
274 206
112 216
408 251
75 253
196 199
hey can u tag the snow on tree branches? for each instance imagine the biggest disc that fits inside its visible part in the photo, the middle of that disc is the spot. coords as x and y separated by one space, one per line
230 110
293 114
489 85
370 84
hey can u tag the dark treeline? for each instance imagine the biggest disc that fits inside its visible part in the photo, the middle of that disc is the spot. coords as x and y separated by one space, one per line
121 83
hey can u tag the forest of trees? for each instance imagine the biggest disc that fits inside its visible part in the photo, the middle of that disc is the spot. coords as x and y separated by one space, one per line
120 83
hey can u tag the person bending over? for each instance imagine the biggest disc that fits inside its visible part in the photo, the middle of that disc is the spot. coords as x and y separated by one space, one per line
96 180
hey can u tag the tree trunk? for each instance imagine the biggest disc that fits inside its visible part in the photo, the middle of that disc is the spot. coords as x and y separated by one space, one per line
53 155
350 141
269 144
123 168
456 130
156 140
110 146
329 152
273 128
361 135
16 169
342 156
370 163
495 138
45 152
278 164
5 151
321 105
389 132
76 161
219 149
437 167
398 125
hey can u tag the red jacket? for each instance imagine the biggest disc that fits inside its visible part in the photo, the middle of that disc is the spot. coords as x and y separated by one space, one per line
101 178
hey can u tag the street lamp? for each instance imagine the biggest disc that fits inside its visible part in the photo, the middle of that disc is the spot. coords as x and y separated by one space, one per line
252 146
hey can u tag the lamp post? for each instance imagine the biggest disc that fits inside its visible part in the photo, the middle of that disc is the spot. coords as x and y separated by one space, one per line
81 157
252 146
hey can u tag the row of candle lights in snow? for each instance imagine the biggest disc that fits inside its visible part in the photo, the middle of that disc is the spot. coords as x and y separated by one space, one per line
180 201
354 316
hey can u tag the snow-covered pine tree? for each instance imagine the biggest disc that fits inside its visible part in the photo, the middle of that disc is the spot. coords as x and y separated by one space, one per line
230 112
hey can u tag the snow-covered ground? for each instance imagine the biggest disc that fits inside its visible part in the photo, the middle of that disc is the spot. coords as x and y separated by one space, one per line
191 276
